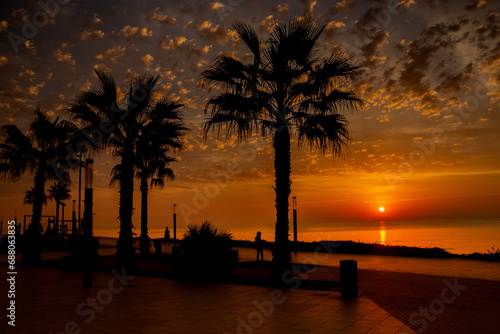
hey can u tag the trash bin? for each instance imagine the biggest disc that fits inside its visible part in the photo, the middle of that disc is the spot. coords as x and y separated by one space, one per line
348 278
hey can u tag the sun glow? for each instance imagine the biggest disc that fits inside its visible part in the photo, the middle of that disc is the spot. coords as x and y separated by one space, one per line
381 209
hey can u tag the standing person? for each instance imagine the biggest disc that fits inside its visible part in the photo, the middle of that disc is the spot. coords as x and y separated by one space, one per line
259 246
166 236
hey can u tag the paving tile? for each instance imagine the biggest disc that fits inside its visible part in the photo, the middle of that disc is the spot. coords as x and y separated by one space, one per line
154 305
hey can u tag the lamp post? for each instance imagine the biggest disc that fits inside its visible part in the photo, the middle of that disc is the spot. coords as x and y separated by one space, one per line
175 226
80 193
63 206
87 221
295 223
73 218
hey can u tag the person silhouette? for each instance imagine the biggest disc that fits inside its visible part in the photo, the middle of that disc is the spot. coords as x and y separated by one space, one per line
166 235
259 246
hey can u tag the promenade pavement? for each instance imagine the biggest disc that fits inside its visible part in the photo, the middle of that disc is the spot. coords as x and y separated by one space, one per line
53 301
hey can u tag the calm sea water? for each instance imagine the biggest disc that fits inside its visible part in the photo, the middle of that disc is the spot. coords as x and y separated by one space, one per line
455 236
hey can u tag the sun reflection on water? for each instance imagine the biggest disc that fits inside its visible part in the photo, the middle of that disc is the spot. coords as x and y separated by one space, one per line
382 233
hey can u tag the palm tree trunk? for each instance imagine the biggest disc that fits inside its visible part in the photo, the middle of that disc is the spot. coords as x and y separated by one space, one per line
144 246
32 248
126 251
282 166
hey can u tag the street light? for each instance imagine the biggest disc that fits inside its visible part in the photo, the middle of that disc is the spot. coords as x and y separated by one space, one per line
87 220
73 218
295 223
175 225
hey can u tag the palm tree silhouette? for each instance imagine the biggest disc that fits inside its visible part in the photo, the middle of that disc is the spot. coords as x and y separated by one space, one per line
288 90
34 153
29 197
59 192
158 139
127 117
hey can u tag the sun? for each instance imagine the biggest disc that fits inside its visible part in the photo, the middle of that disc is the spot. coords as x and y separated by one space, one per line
381 209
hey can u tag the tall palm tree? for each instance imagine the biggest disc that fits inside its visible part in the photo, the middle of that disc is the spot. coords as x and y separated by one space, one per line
288 90
59 192
160 137
34 153
127 117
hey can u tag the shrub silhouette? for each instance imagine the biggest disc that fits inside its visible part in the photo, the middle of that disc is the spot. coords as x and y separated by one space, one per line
206 252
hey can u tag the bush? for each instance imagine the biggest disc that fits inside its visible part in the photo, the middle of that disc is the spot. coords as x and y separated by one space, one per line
206 251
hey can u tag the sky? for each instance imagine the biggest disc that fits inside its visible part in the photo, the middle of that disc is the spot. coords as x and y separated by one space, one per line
425 146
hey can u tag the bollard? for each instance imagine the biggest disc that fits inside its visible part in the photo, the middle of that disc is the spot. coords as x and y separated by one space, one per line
348 279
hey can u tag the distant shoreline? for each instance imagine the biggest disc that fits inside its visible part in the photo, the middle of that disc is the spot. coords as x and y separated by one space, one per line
360 248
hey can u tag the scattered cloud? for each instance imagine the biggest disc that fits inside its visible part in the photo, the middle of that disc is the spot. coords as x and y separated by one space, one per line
3 60
342 6
3 25
477 4
215 33
160 17
63 55
146 60
112 54
91 35
129 31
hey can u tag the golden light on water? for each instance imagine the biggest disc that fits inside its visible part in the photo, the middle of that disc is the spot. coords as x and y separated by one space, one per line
382 233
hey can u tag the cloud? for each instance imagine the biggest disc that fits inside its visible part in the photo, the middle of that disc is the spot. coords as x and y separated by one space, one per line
95 20
112 54
331 29
268 24
406 4
157 16
34 90
91 35
3 60
62 54
308 6
3 25
452 82
167 43
368 30
195 67
214 6
129 31
218 33
342 6
281 8
477 4
147 60
30 47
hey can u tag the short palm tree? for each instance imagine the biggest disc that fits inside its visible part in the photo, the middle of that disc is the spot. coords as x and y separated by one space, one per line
35 152
59 192
127 117
287 91
29 197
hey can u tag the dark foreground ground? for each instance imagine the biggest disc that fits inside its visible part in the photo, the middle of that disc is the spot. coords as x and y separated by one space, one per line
154 302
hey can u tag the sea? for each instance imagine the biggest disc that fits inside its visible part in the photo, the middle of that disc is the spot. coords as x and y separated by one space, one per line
455 236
